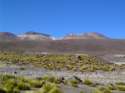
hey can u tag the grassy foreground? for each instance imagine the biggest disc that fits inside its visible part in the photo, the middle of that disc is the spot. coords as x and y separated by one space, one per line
60 62
50 84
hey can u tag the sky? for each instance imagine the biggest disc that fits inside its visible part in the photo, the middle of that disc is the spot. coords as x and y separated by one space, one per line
60 17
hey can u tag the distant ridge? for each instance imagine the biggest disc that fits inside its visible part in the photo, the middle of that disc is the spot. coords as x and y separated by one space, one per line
38 42
89 35
35 36
7 36
32 35
36 33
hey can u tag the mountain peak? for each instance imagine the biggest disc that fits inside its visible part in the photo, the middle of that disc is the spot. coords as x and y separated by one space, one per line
7 36
88 35
95 35
31 35
36 33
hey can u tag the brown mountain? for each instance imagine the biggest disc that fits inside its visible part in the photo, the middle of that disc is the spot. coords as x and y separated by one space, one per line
93 45
90 35
35 36
7 36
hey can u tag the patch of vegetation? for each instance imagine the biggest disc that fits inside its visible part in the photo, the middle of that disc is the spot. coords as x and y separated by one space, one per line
74 83
121 87
13 84
120 83
59 62
88 82
82 92
50 84
112 87
36 83
102 90
49 88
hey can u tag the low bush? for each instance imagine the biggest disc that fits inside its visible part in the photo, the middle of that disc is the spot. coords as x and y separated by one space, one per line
87 82
74 83
112 87
121 87
49 88
102 90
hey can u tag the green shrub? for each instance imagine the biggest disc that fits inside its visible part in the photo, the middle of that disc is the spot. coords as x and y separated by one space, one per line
36 83
121 87
49 88
97 91
81 92
2 90
9 85
55 90
51 79
23 86
74 83
105 90
120 83
112 87
102 90
87 82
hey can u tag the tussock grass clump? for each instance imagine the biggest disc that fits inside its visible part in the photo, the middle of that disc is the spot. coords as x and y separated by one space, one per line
112 87
11 87
97 91
49 88
102 90
55 90
53 79
74 83
49 78
2 90
120 83
36 83
88 82
121 87
82 92
23 86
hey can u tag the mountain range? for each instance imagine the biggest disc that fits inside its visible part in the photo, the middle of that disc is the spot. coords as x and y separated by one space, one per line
41 36
89 35
26 36
93 43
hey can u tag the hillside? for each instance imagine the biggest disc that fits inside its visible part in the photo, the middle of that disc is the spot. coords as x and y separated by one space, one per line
34 36
65 46
89 35
7 36
93 43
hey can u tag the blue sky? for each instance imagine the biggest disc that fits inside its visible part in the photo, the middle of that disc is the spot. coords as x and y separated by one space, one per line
59 17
